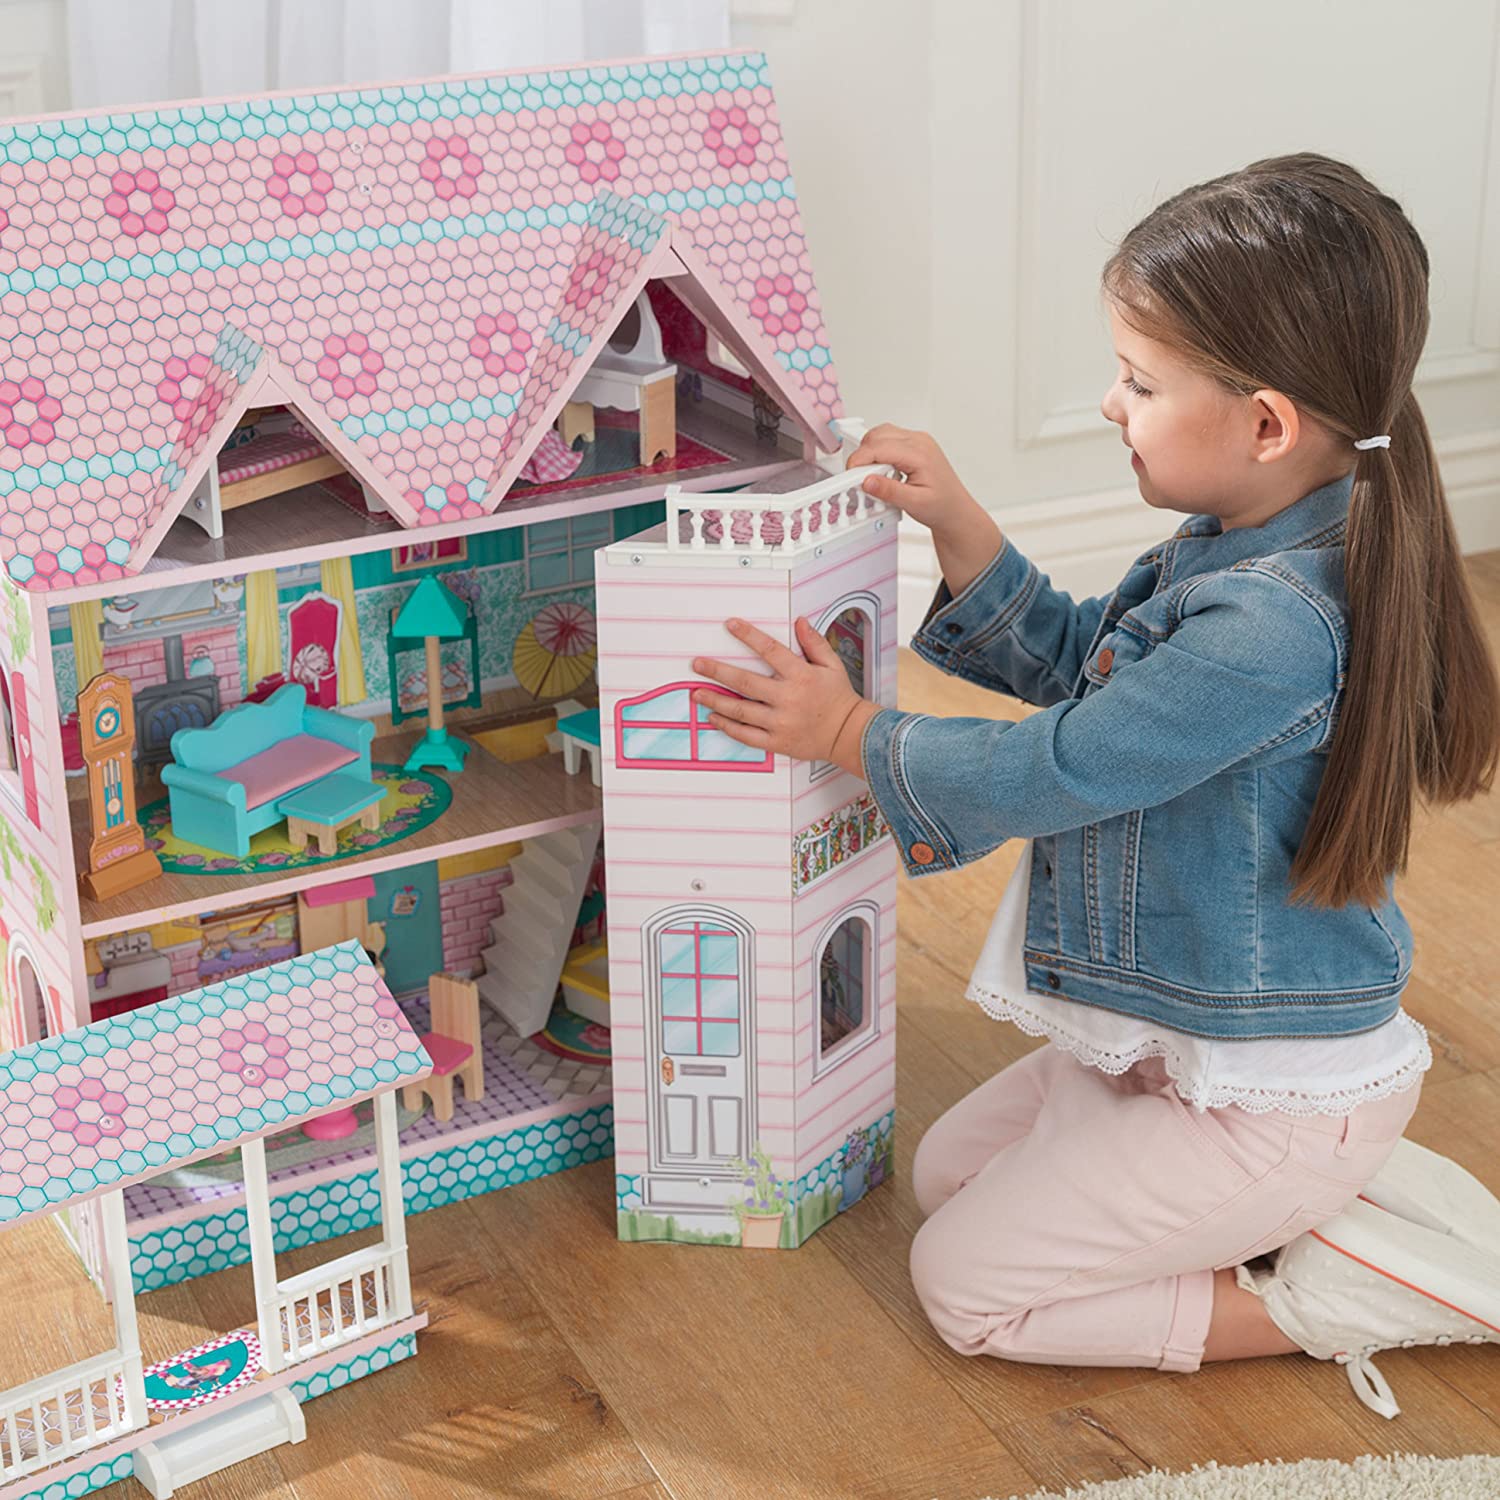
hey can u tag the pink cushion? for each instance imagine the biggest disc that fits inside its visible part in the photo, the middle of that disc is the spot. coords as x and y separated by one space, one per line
446 1052
284 767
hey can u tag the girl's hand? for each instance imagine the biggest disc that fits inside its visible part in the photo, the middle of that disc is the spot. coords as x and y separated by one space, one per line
932 494
806 708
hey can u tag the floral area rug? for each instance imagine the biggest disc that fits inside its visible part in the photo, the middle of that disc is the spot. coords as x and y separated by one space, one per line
413 799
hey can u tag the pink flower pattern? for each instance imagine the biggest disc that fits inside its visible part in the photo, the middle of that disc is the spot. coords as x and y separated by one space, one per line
451 166
349 364
89 1113
298 183
27 413
253 1053
778 304
500 344
731 137
596 151
590 279
140 202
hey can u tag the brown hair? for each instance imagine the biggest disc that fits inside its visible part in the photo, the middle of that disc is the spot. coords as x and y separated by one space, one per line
1298 274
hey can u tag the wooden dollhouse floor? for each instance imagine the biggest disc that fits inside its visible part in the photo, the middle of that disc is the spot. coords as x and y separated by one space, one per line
493 803
520 1078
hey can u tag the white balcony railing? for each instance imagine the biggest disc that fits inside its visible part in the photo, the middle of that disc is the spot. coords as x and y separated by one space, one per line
335 1304
67 1413
786 524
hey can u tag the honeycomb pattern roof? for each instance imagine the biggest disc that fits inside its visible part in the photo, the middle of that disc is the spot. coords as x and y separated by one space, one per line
123 1099
390 260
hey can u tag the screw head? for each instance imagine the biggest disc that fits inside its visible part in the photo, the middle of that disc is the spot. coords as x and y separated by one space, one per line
744 562
817 552
636 557
880 526
698 884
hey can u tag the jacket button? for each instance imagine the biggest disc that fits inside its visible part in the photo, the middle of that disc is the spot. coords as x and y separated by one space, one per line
922 854
1105 660
1053 981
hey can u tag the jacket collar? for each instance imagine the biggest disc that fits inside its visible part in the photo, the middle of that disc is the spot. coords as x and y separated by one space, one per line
1201 545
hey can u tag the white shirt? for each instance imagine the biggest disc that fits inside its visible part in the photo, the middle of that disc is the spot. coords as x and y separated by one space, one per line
1302 1075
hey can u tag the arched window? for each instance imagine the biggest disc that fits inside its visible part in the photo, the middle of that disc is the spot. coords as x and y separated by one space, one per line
658 729
851 626
845 982
31 1000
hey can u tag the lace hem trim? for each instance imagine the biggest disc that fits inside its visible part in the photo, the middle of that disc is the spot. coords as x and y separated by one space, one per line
1303 1103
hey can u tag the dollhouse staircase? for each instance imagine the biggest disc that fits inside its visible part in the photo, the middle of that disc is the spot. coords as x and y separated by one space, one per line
529 939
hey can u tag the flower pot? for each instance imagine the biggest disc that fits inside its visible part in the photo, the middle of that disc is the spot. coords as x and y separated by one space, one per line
761 1231
855 1181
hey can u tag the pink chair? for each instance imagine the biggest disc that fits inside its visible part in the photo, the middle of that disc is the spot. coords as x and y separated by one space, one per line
314 622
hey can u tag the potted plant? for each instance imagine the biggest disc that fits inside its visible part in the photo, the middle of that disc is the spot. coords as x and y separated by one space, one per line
765 1203
856 1164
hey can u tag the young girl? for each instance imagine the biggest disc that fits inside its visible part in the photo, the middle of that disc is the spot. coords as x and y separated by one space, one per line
1217 794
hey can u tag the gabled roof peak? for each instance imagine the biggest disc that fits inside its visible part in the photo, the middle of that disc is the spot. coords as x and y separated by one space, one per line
397 252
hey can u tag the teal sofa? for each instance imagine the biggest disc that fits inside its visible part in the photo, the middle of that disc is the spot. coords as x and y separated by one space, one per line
226 782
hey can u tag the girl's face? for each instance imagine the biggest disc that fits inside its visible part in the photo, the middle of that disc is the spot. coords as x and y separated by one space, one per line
1174 420
1203 450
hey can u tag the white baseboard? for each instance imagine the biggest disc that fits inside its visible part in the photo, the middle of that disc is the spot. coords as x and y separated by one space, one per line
1085 543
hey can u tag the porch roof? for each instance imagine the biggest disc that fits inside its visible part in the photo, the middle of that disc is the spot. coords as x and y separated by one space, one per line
124 1099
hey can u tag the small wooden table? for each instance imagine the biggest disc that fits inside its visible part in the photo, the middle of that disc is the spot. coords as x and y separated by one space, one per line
327 806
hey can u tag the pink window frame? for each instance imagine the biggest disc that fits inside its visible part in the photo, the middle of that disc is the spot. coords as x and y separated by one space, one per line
692 726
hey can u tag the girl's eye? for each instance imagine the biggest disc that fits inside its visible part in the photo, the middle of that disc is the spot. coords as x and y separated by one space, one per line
1139 389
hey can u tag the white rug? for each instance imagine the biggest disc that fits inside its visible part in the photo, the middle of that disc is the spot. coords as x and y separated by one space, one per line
1404 1477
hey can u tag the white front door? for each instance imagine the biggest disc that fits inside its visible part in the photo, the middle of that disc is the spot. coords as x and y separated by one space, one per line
699 1048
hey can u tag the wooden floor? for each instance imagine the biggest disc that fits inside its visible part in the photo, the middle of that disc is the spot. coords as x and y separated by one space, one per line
561 1363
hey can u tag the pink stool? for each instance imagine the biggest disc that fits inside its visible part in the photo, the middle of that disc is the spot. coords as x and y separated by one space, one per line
333 1126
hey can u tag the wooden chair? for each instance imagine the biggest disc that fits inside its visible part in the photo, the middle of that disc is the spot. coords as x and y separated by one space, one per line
453 1044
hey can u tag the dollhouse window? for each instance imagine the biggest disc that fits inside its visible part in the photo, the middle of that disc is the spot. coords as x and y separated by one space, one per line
719 353
560 554
849 626
659 730
844 968
10 760
698 963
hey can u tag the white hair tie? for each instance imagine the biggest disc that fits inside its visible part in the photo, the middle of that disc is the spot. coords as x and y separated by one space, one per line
1383 441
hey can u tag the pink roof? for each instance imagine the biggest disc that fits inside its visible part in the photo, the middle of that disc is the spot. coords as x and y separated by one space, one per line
420 269
121 1100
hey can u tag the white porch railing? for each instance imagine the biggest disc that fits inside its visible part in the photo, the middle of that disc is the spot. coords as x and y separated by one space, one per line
787 524
67 1413
334 1304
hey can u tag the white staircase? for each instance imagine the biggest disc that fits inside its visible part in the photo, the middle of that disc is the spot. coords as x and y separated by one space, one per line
529 940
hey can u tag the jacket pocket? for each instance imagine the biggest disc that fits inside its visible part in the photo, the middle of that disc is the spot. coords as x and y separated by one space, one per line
1115 649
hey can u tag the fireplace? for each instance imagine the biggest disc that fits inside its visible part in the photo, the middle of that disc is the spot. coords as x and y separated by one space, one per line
181 702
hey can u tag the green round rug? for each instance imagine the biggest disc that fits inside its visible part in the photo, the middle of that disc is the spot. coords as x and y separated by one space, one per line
413 799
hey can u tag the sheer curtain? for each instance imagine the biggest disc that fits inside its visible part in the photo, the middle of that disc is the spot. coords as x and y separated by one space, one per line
183 49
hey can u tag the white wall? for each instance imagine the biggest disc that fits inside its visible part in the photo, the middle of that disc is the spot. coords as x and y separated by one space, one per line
965 166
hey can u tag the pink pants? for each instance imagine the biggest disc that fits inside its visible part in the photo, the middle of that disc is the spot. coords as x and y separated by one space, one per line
1076 1218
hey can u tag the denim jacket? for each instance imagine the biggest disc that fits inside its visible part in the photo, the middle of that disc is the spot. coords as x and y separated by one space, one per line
1184 727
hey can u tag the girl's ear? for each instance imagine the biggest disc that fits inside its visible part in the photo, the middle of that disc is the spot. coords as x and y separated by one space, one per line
1278 424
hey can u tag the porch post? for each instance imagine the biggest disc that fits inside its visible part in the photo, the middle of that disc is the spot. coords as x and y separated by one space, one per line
392 1211
262 1254
122 1299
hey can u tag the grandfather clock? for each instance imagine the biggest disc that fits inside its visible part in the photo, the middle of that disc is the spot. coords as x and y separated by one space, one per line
118 856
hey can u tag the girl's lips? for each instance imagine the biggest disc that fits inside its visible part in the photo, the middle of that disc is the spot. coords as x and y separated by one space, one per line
1135 460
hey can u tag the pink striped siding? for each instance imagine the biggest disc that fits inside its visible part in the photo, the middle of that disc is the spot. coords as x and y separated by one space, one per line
664 829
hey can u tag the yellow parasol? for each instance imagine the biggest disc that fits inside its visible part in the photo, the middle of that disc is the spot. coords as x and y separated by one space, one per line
556 651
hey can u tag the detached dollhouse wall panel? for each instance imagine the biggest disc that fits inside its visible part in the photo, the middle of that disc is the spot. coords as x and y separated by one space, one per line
745 897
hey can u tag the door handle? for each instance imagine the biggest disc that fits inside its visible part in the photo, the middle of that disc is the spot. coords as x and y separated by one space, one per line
667 1070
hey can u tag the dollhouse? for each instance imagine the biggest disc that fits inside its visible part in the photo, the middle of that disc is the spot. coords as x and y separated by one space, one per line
344 601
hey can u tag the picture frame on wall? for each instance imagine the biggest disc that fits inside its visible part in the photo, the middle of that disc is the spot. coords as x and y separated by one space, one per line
417 555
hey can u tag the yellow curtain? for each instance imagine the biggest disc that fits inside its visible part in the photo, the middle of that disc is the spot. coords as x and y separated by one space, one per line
262 627
338 584
87 620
